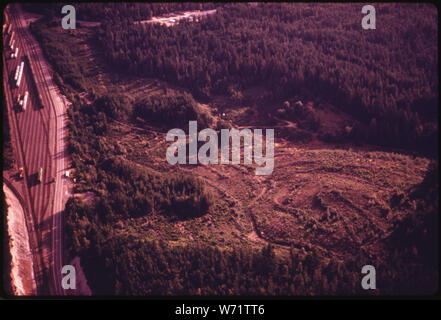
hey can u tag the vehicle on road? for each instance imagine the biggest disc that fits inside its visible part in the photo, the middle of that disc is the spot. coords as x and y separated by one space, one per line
40 175
40 101
15 53
20 172
24 101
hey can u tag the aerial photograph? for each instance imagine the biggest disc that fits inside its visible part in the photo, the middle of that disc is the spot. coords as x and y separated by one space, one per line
220 149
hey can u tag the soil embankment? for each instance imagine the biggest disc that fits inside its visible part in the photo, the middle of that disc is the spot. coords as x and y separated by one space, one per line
22 271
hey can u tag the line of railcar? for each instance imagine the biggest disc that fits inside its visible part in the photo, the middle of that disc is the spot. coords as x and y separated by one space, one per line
39 97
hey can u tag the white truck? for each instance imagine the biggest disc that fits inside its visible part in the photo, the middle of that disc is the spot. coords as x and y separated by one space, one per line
24 101
15 53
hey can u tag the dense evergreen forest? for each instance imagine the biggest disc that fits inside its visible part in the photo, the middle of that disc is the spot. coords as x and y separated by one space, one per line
387 78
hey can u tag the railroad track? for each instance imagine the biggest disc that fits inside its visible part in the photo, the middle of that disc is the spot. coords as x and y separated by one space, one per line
36 132
28 208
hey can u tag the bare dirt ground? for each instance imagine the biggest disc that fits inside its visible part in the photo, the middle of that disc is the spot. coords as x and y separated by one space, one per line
335 200
22 271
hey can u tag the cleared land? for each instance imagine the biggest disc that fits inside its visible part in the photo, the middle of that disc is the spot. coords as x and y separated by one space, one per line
328 199
335 199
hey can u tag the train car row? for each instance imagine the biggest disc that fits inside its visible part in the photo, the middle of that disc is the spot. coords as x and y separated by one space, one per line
22 100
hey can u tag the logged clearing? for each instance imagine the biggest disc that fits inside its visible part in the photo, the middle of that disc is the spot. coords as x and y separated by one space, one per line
319 195
330 197
335 200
